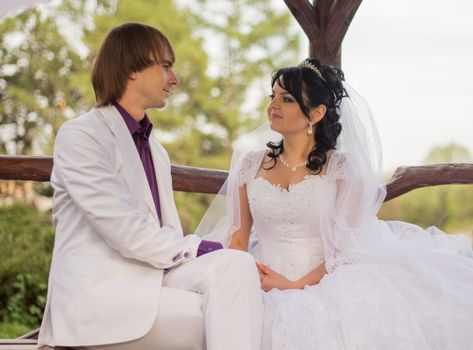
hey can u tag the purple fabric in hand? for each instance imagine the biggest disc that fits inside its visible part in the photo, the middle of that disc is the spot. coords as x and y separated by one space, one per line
208 246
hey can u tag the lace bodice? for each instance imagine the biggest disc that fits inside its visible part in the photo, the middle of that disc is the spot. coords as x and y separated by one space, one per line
286 222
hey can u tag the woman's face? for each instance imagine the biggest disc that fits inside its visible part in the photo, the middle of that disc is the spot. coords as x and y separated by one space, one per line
284 113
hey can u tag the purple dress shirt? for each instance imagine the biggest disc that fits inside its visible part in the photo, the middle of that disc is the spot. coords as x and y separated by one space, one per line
140 131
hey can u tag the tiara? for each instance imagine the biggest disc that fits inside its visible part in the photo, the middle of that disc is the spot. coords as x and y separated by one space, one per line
307 64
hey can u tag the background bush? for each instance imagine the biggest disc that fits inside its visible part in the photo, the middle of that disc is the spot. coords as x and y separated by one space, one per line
26 242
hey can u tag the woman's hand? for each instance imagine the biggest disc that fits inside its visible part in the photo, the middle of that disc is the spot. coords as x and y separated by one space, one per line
270 279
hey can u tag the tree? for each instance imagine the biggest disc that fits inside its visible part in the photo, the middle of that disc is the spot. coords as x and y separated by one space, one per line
449 153
218 99
35 90
211 107
246 40
325 23
249 39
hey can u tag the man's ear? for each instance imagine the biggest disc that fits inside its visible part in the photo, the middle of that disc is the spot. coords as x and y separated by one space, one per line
317 113
133 76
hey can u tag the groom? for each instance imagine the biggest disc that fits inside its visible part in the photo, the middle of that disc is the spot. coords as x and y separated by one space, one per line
123 276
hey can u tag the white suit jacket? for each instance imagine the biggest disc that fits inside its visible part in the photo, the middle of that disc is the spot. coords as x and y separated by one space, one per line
110 248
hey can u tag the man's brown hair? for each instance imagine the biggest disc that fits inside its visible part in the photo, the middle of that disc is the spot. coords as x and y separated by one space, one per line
128 48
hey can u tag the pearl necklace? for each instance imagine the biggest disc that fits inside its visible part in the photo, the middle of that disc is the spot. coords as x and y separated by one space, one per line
293 167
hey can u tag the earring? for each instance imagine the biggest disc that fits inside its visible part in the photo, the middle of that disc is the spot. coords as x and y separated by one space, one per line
310 130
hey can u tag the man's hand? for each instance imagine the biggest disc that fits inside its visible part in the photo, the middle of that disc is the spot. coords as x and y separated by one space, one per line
270 279
206 247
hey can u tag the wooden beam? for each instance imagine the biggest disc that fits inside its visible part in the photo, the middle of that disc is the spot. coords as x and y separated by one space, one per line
200 180
340 17
187 179
406 179
328 47
26 168
30 335
304 14
325 24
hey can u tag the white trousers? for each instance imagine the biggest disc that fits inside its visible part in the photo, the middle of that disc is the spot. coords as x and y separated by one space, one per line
226 290
231 297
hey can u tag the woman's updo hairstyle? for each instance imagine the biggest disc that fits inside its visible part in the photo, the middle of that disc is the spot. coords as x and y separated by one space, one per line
312 83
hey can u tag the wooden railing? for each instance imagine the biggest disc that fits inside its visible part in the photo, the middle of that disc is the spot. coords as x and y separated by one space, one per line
406 179
200 180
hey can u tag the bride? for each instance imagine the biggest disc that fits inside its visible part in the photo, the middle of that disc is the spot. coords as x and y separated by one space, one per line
333 275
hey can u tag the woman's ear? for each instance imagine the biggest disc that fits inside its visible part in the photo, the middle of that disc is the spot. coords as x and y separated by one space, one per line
317 113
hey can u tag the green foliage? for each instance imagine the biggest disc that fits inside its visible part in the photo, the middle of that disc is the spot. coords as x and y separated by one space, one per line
12 330
26 242
448 153
35 90
211 107
207 112
449 207
250 39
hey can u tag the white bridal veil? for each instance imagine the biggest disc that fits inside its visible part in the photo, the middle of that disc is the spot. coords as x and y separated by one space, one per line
350 228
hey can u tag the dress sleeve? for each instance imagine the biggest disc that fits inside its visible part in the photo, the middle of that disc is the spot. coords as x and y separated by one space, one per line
337 165
347 224
250 165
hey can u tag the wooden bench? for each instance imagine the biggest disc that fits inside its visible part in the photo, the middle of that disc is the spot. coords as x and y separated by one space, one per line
25 342
200 180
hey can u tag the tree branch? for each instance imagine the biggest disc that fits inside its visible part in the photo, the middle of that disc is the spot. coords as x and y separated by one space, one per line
340 17
322 9
304 13
325 23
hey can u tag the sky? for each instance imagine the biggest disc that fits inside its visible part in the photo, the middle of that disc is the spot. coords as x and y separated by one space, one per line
9 5
411 60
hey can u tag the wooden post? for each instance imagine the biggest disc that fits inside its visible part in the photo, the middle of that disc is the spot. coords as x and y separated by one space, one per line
325 22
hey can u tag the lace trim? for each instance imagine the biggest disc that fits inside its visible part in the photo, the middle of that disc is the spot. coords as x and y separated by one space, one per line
337 165
249 166
252 161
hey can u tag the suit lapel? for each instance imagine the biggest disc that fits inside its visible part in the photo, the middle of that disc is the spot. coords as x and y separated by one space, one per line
132 161
169 213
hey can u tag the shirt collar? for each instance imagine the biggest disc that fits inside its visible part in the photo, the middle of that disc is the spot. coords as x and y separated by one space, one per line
144 126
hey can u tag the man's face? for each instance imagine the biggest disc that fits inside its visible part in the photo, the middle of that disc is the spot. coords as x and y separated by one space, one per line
153 84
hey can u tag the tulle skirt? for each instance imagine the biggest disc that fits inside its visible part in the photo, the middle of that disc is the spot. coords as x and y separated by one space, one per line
419 297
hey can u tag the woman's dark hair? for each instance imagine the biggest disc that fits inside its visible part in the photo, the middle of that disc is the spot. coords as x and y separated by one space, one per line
312 84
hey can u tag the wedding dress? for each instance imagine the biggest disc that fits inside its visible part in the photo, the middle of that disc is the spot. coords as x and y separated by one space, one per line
389 285
418 294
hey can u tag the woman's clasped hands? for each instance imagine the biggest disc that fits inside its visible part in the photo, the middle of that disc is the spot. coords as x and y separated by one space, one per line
270 279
